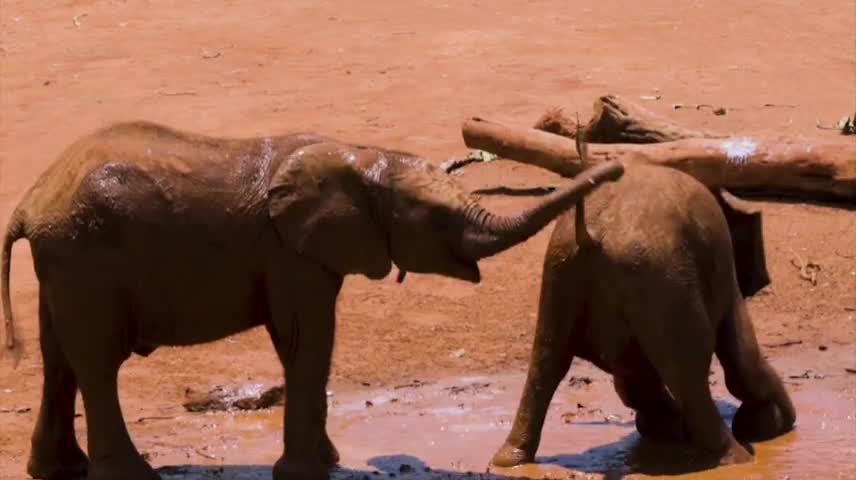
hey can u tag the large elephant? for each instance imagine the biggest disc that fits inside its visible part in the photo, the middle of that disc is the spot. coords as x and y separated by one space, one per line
647 285
144 236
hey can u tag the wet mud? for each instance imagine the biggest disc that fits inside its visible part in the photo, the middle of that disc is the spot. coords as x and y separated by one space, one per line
224 398
450 428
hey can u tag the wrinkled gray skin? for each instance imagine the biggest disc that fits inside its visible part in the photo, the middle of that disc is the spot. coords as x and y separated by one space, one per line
144 236
659 290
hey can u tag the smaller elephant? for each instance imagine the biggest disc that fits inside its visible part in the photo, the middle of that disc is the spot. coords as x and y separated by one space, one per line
647 285
146 236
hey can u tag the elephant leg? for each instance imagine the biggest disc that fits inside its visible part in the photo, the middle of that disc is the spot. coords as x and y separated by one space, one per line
549 362
766 410
684 365
91 333
327 452
657 414
308 452
55 452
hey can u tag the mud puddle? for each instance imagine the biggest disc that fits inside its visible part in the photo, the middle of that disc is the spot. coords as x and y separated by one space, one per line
451 427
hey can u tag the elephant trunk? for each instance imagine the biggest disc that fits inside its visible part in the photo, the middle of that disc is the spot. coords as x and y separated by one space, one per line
487 234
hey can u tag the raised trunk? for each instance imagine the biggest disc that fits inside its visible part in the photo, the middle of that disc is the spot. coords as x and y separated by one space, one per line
489 234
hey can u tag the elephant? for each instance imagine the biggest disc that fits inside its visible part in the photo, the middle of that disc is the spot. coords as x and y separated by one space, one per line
647 284
144 235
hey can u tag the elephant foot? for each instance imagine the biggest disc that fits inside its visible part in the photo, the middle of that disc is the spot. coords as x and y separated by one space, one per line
736 454
661 428
291 470
52 464
759 422
125 468
511 456
327 452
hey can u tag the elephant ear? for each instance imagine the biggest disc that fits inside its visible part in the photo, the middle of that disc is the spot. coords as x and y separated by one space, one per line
747 239
323 211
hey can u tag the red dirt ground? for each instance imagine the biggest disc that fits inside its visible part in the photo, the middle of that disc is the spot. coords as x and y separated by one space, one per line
404 75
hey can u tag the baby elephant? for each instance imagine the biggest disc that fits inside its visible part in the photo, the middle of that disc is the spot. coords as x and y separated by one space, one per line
648 286
145 236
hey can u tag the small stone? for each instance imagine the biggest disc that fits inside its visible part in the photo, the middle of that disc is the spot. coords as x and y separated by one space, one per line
822 348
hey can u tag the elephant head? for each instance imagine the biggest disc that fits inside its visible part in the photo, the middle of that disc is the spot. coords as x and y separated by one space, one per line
358 210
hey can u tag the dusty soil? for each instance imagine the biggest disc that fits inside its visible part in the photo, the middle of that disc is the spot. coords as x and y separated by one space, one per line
404 75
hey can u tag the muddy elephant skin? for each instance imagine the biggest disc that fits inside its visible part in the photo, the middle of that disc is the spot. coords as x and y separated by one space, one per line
143 236
651 299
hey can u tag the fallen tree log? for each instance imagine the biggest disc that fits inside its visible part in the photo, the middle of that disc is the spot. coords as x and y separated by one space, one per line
618 121
777 166
614 121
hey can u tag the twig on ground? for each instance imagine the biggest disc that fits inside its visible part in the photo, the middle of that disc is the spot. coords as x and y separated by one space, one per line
15 410
718 111
144 419
202 453
167 93
457 164
413 384
786 343
76 19
475 156
809 374
808 269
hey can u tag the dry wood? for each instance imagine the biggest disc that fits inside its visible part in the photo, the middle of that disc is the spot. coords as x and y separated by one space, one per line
618 121
783 166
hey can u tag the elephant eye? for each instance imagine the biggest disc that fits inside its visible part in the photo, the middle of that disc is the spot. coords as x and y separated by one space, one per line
283 189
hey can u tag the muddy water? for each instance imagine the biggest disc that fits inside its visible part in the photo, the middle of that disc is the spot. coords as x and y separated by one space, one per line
451 427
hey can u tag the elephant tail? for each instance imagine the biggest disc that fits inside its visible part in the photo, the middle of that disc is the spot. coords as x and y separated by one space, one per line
14 231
